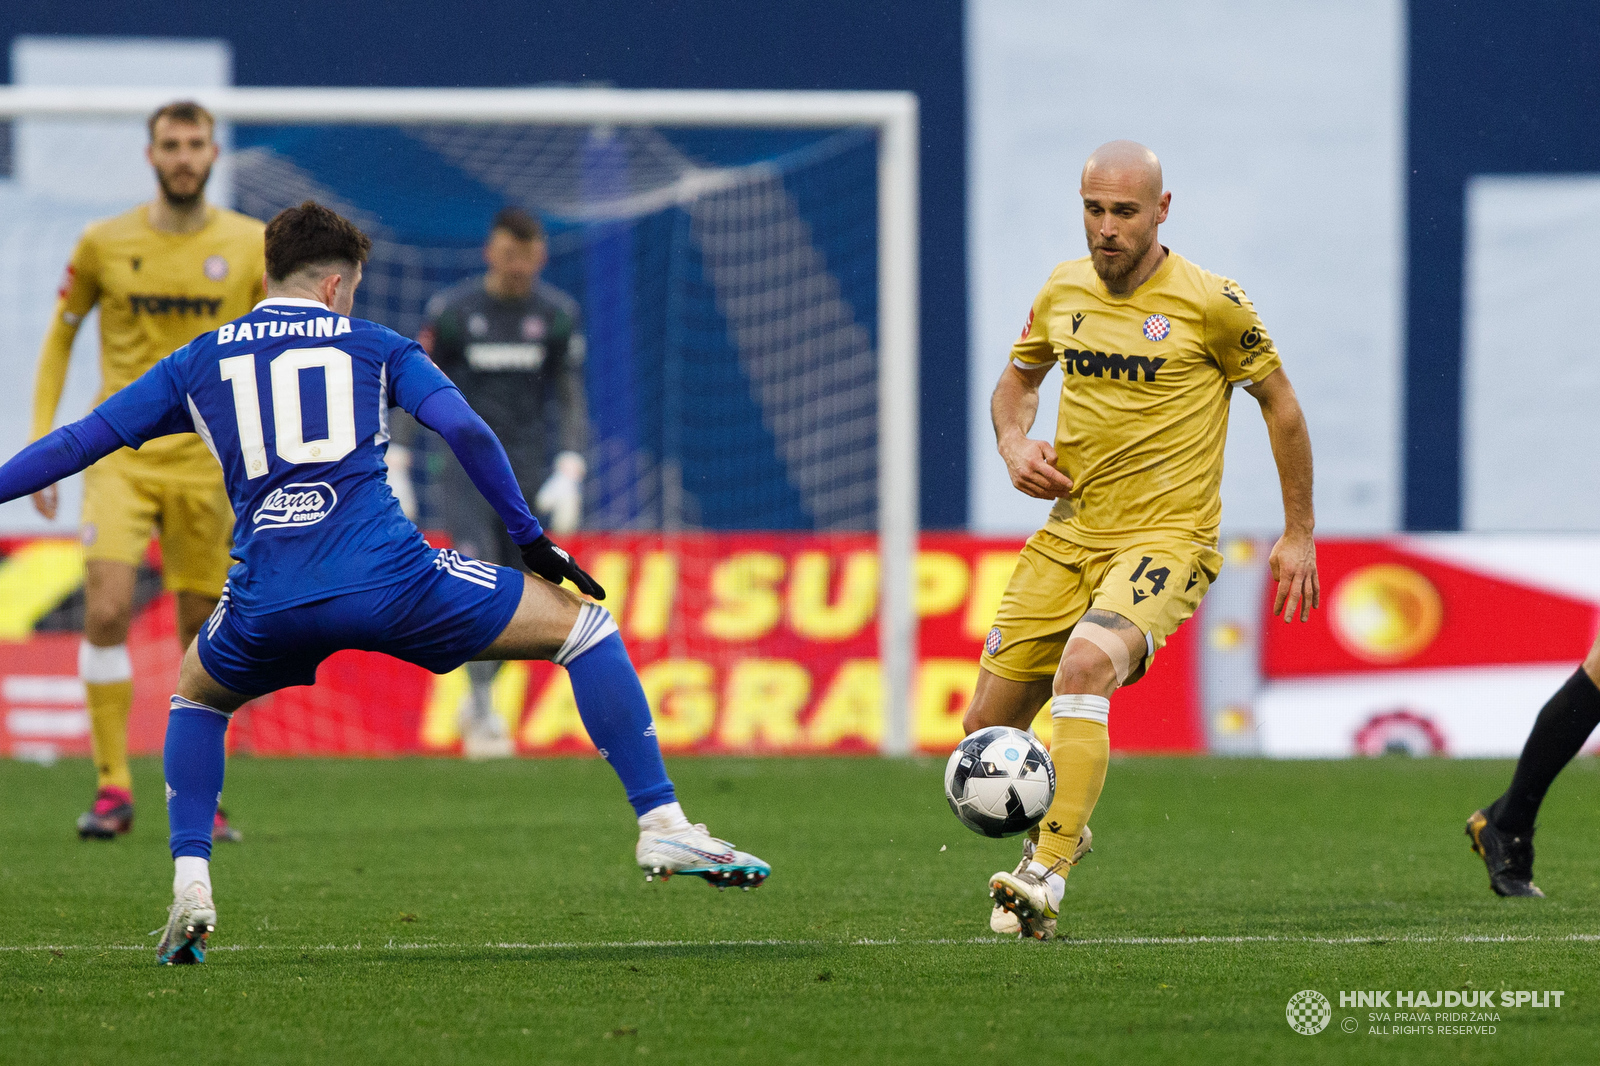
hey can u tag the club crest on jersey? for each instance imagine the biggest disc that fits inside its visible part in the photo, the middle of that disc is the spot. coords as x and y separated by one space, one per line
300 504
533 328
991 643
216 267
1156 328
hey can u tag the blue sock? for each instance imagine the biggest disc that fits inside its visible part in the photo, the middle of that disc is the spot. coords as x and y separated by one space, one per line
193 760
613 708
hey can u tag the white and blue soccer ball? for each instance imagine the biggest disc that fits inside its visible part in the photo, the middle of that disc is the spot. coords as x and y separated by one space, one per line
1000 781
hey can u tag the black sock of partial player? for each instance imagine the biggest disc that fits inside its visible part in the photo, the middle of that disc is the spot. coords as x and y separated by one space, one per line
1564 723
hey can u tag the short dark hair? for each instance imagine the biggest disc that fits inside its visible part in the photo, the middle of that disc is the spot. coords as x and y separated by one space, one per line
182 111
312 235
518 223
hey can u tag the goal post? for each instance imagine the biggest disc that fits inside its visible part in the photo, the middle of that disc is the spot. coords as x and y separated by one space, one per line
892 116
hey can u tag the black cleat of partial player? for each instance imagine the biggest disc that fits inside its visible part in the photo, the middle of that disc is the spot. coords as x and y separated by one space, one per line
1509 858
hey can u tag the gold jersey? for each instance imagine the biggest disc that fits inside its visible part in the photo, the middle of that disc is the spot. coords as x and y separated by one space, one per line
157 291
1146 380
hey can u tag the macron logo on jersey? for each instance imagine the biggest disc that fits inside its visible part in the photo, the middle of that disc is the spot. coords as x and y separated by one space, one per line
321 326
296 505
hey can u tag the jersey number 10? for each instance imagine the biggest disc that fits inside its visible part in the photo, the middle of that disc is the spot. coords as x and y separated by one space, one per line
289 433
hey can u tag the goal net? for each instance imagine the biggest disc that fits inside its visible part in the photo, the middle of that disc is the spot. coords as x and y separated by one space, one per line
746 267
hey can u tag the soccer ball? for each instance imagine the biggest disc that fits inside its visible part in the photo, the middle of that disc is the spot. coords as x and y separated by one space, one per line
1000 781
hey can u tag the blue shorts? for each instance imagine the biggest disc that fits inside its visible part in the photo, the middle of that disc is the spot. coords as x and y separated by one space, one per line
439 619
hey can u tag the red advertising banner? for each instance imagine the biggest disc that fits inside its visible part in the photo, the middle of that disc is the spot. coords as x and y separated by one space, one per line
1387 607
744 642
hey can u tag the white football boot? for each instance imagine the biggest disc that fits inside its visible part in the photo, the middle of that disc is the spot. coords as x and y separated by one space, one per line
690 849
1003 921
483 734
191 918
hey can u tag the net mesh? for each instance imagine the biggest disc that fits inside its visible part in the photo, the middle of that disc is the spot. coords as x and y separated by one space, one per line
728 283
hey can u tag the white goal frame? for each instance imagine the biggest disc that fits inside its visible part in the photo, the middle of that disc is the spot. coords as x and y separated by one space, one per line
892 114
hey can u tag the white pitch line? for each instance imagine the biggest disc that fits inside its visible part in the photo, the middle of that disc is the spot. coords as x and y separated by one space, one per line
1106 941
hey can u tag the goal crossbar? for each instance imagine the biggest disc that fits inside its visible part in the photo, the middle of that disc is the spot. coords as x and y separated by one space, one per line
892 114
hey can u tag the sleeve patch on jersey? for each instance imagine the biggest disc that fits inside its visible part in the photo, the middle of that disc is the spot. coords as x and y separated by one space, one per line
1027 327
66 282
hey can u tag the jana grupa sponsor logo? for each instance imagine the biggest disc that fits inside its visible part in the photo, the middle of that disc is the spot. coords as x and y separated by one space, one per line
300 504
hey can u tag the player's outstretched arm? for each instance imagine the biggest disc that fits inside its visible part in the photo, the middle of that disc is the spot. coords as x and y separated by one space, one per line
58 454
1031 463
150 407
1294 557
484 459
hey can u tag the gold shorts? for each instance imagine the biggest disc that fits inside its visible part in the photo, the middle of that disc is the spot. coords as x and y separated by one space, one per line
124 503
1155 585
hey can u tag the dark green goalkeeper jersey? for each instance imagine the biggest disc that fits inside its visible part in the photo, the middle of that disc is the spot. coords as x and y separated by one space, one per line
519 363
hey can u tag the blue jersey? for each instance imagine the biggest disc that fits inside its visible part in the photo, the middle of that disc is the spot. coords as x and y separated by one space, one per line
294 400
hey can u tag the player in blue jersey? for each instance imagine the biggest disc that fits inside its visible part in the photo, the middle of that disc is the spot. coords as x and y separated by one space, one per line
293 401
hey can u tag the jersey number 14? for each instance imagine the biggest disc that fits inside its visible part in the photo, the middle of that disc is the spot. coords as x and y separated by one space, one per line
289 431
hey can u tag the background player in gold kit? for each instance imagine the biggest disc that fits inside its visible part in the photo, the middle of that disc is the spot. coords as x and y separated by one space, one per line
161 274
1150 347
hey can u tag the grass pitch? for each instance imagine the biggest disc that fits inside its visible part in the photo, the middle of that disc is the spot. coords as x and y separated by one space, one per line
423 911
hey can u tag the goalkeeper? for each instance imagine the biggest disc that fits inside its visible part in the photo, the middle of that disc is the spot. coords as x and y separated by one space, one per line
512 344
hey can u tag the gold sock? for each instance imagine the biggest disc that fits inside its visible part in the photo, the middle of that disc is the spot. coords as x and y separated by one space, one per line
1081 750
109 704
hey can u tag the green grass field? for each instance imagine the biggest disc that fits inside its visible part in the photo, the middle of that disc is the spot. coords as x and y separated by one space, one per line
421 911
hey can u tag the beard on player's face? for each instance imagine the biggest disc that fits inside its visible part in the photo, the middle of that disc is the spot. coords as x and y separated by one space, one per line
183 185
1131 249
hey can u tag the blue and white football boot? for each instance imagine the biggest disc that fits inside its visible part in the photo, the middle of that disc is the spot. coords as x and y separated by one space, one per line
191 918
690 849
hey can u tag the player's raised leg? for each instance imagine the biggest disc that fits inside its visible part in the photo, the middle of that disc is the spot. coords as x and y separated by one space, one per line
552 623
1502 833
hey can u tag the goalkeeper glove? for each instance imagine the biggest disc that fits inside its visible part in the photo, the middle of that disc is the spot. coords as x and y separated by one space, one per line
555 565
561 496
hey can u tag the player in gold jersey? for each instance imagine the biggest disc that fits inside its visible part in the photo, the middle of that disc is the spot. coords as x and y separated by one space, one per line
1150 347
161 274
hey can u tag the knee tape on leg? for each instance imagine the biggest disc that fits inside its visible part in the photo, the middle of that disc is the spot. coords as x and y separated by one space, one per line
594 624
1108 641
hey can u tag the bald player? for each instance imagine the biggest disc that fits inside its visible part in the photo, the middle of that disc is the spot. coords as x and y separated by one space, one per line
1150 347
